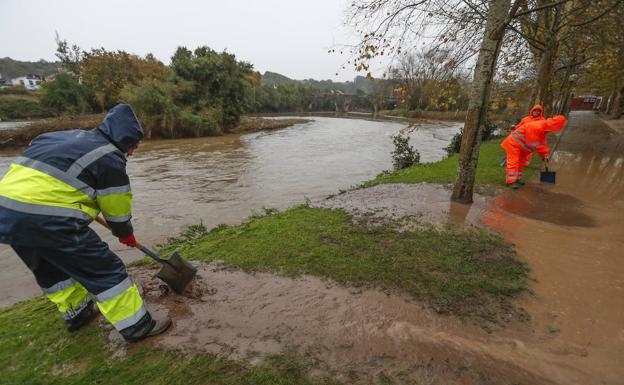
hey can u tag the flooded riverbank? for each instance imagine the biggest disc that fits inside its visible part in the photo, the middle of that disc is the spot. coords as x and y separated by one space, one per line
225 179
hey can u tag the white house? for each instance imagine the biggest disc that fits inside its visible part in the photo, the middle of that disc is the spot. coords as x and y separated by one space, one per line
30 82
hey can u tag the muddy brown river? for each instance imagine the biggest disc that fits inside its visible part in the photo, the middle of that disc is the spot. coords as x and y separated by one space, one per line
225 179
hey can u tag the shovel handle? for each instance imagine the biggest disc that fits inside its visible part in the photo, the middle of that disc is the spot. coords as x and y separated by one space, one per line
153 255
139 246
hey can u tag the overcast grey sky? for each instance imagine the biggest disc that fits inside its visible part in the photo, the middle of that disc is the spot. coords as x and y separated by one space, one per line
286 36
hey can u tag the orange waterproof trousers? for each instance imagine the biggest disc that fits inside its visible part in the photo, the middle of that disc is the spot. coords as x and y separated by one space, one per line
516 162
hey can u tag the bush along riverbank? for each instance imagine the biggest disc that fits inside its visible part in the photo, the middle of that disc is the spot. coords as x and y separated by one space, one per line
22 136
461 273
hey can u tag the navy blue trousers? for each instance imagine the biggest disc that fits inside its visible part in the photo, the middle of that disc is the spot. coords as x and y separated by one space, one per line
92 264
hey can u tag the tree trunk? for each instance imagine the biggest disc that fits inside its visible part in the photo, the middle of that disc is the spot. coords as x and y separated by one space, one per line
541 92
611 101
618 105
479 98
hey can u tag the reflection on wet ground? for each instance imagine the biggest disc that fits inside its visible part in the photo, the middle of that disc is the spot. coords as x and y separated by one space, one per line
572 235
225 179
542 204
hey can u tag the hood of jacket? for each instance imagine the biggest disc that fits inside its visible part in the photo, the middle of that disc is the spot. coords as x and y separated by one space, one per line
537 107
121 127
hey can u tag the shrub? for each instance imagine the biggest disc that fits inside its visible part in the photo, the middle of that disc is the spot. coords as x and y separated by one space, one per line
488 133
203 123
453 147
64 95
153 103
17 90
162 117
12 108
403 155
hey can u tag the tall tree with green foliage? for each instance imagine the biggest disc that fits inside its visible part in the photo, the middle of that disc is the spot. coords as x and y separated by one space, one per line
218 81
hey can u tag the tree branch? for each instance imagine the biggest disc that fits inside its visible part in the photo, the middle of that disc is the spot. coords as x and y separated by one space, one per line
609 9
474 8
549 5
532 41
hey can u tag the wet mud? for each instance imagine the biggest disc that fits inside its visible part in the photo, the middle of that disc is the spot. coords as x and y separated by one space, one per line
357 336
409 204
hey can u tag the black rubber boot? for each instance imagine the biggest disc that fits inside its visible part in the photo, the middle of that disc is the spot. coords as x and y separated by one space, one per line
84 317
151 328
514 186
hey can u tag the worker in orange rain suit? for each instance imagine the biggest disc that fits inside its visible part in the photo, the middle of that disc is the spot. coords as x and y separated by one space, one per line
536 113
523 141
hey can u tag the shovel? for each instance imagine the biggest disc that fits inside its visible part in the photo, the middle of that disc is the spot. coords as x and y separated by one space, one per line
175 271
547 176
551 176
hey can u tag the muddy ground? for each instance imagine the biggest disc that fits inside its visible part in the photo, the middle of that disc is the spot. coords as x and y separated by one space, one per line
357 336
413 204
571 234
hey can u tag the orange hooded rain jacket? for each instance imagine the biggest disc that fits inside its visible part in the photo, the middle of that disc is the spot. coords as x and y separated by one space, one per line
524 140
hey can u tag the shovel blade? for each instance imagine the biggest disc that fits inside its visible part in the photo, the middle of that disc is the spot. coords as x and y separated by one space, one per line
177 273
548 177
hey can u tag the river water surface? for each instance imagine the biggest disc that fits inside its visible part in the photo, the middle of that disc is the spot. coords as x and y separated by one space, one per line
225 179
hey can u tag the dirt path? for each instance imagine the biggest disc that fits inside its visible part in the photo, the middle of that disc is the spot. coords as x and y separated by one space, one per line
571 233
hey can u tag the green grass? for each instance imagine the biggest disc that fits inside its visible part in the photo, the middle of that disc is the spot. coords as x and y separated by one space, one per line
466 272
36 349
444 171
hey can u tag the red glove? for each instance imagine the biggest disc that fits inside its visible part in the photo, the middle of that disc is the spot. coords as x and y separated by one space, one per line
129 240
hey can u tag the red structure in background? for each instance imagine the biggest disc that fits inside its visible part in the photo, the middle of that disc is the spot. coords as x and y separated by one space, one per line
580 103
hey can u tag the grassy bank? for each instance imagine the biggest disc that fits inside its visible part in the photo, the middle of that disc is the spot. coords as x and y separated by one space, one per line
488 171
466 272
504 118
36 349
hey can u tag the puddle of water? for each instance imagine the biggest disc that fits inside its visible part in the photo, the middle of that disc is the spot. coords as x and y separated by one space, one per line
541 203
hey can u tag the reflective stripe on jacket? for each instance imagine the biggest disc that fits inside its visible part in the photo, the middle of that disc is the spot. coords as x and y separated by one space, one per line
65 179
531 136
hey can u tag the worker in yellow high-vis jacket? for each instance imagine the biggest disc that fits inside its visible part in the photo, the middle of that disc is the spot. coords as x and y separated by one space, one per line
48 198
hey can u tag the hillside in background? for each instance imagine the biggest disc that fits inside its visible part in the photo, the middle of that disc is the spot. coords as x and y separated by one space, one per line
10 68
359 85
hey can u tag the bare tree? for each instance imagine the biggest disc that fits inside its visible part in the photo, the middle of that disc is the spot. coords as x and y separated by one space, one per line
498 16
